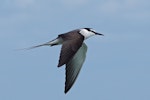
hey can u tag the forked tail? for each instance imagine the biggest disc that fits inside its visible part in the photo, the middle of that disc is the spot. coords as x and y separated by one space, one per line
33 47
56 41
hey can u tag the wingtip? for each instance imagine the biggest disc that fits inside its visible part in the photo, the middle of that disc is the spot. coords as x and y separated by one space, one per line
66 91
60 64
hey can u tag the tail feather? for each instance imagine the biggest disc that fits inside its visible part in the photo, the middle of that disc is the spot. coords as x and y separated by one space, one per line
33 47
56 41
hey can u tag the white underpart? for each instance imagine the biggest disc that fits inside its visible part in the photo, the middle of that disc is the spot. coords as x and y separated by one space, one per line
57 41
86 33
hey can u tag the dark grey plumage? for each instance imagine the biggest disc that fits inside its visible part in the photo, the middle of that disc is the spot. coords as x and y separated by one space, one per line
73 52
72 42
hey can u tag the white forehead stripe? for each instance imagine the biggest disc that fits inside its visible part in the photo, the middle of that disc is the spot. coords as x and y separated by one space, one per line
86 33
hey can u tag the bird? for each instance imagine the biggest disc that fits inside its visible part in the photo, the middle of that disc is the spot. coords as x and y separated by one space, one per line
73 52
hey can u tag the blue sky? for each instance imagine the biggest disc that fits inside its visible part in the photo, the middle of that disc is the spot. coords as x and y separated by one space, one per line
117 66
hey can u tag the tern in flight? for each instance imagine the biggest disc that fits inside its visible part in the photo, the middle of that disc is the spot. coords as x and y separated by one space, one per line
73 52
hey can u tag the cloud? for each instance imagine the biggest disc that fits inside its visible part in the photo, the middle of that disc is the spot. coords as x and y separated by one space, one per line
18 3
74 2
24 3
109 7
126 8
117 6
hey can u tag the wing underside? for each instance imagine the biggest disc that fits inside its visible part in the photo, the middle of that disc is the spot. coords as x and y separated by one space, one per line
74 65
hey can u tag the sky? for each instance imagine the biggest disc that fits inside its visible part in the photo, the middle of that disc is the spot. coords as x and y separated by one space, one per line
117 66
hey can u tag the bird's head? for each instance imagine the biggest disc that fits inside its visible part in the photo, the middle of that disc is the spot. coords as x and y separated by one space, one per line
88 32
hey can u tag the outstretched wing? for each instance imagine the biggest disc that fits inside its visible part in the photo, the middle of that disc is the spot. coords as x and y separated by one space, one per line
72 42
74 65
